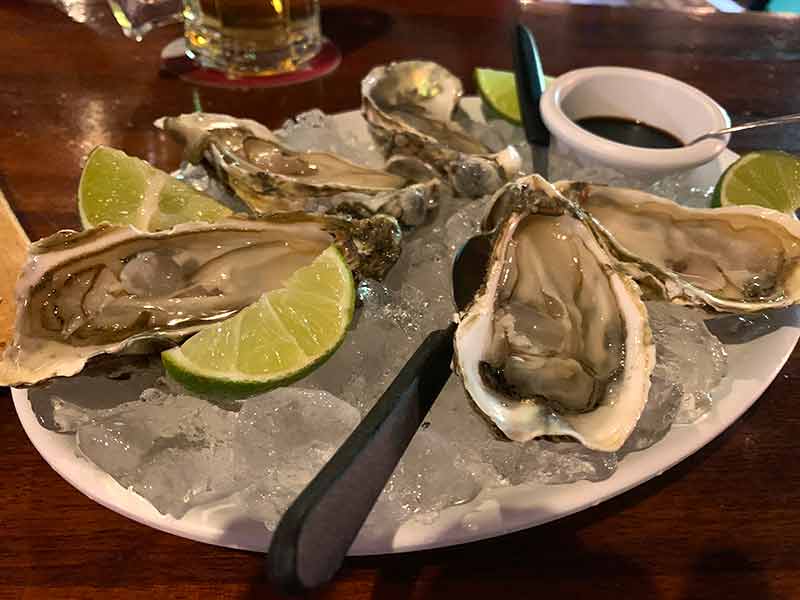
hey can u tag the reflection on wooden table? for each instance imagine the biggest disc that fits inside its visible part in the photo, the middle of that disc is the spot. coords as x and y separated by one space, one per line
720 524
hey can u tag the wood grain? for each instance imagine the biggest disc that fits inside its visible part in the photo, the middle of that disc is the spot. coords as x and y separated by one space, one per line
722 524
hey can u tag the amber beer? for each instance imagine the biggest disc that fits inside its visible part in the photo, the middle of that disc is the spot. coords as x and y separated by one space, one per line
252 36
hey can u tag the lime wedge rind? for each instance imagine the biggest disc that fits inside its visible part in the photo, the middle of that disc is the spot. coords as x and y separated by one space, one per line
236 386
767 178
124 190
498 90
193 365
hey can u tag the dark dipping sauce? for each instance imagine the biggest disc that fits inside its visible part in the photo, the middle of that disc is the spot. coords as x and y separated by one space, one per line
630 132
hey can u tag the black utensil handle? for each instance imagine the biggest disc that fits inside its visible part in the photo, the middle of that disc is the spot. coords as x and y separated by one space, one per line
530 85
316 532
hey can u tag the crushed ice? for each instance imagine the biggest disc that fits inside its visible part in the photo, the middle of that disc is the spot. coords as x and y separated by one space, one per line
179 452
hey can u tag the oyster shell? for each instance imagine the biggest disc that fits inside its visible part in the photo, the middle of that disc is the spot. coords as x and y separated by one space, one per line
109 289
730 259
270 178
557 343
410 107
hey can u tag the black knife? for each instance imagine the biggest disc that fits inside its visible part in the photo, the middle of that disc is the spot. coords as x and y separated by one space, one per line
530 87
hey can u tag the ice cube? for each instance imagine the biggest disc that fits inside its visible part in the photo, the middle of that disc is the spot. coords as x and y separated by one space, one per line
274 427
548 462
173 450
663 404
563 165
423 263
55 414
740 329
465 223
388 327
485 133
456 418
178 478
676 187
479 445
314 130
63 403
689 356
260 502
380 340
198 177
509 133
283 439
417 487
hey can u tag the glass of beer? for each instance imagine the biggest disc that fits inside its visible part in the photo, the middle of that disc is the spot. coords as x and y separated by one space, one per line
252 37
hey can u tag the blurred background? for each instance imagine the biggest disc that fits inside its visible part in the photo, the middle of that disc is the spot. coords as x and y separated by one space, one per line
137 17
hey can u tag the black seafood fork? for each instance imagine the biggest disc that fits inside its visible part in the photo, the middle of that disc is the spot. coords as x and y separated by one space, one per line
317 530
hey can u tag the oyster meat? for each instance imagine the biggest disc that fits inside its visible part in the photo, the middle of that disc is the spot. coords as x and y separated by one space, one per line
557 342
271 178
730 259
410 107
112 288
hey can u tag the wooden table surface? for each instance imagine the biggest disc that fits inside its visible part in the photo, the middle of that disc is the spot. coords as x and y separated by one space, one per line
722 524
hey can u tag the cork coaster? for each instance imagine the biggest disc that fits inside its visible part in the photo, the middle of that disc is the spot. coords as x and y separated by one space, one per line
12 257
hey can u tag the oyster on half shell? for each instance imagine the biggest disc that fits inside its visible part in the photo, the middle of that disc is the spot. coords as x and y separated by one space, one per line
730 259
410 108
557 342
112 289
271 178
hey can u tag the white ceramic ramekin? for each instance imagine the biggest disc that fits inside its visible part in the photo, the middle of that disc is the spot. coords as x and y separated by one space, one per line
650 97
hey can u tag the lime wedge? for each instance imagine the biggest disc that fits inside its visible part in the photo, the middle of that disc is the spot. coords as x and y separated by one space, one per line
768 178
499 90
279 339
120 189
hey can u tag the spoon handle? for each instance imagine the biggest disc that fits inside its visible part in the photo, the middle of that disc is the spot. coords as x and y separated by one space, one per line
316 532
752 125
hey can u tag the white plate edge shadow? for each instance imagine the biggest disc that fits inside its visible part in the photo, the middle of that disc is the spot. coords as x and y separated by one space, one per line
494 512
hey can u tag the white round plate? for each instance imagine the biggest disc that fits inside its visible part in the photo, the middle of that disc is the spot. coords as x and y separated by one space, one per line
751 366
